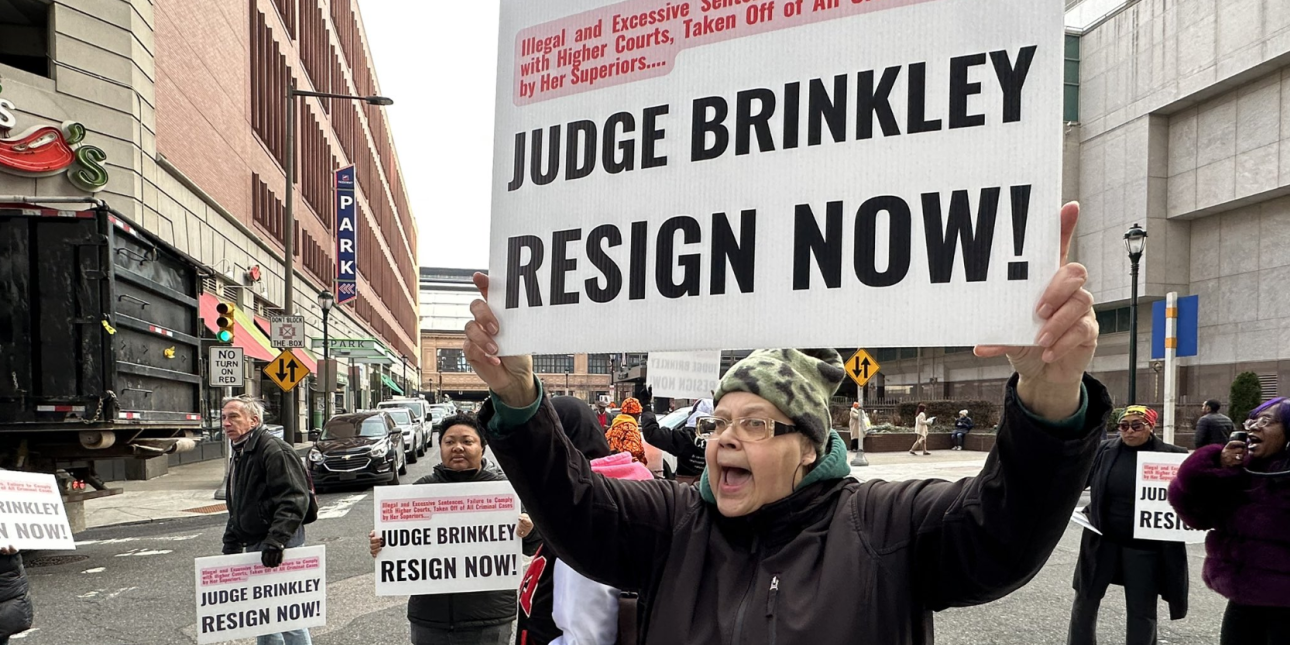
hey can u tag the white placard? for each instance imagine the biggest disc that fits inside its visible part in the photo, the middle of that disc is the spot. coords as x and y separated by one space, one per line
742 171
1154 518
237 597
287 331
225 366
32 514
447 538
684 375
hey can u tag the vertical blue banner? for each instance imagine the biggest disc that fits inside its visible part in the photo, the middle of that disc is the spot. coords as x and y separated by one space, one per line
1188 327
346 237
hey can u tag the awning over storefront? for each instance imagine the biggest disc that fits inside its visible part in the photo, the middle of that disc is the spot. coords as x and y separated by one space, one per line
301 353
245 335
391 384
357 350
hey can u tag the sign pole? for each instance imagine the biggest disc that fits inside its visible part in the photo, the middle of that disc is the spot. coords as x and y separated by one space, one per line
1171 364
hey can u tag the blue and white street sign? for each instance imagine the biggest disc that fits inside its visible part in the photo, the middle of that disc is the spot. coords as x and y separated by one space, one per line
346 237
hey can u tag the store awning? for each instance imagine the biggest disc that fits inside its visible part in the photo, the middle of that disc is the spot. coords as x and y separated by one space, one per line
300 353
245 335
391 384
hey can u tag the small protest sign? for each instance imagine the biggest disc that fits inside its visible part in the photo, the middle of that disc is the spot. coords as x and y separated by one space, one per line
684 375
1154 518
237 597
815 170
447 538
32 514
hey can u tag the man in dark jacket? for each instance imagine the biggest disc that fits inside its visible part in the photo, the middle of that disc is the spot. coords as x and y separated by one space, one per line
1212 428
681 442
15 600
267 494
1147 569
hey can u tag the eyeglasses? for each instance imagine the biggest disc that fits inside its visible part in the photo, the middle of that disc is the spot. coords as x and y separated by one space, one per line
750 429
1136 426
1259 423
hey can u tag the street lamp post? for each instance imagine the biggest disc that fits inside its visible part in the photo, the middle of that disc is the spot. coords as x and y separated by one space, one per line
325 302
289 228
1135 243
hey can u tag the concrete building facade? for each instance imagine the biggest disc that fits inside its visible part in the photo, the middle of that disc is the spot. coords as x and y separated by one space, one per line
1182 125
445 297
187 101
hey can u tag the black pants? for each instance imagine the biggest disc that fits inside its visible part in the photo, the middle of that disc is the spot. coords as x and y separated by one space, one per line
1141 591
1249 625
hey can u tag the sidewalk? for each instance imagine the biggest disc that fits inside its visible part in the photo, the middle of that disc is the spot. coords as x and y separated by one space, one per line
941 464
184 491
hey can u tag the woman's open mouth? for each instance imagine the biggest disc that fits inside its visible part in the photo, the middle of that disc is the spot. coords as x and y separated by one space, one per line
734 479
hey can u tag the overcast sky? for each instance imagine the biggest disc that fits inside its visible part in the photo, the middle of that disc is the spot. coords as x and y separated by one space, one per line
438 61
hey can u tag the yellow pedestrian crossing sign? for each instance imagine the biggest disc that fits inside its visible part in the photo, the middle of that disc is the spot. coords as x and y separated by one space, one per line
861 367
286 370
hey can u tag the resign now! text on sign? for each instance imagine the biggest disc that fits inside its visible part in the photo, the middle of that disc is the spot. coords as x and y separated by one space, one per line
675 163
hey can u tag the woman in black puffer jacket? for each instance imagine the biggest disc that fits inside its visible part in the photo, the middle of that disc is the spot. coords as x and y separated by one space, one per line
477 618
15 601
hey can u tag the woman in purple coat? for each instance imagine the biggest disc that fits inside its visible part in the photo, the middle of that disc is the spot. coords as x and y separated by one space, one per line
1242 491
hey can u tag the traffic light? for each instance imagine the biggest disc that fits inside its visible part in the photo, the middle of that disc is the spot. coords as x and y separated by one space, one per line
224 322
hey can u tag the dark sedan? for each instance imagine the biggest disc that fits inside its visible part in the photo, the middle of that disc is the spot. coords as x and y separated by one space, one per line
358 448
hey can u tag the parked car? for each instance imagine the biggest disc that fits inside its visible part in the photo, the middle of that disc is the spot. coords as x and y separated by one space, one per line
420 411
275 430
357 448
439 412
413 439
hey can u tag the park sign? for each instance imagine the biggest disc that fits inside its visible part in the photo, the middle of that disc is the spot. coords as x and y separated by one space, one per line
681 164
346 237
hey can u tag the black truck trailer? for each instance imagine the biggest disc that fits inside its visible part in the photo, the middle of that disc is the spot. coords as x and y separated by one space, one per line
100 341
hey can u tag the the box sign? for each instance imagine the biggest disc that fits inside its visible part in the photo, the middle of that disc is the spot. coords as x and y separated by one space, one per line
736 169
346 237
225 366
46 150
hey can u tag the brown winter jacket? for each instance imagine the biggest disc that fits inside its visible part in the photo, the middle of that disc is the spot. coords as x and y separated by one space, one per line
838 561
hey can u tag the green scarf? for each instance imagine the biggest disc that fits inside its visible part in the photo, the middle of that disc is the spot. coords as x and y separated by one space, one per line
834 465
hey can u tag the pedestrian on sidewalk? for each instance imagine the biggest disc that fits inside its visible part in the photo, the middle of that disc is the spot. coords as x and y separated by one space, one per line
267 495
765 548
15 595
1241 492
962 426
920 429
1212 428
476 618
1147 569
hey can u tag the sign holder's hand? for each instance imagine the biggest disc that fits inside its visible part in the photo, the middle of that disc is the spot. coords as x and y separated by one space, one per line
509 377
525 526
1050 371
375 544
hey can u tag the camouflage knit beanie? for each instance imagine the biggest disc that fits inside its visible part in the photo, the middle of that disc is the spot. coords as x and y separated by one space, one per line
799 382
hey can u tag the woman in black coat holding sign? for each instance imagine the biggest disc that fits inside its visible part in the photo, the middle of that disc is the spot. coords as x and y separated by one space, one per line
1148 569
476 618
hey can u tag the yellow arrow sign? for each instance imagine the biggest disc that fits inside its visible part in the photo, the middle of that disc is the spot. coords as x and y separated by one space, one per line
861 367
286 371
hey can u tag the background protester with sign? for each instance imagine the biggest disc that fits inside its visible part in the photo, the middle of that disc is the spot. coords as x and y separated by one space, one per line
1242 492
474 618
683 443
1148 569
776 522
15 598
268 495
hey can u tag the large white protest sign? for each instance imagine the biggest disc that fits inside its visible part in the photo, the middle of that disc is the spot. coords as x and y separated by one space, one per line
684 375
237 597
749 174
32 514
1154 518
448 538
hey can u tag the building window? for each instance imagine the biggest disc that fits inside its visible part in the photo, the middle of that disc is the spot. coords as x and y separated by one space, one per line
270 77
599 364
1070 101
552 363
957 350
24 35
886 354
1113 321
453 360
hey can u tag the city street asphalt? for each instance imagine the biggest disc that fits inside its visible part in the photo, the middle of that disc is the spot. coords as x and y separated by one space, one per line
133 583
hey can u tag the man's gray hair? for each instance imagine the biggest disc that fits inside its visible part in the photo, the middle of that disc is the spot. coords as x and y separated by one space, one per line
252 406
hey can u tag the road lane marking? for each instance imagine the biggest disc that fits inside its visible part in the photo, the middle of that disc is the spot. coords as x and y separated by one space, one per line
340 508
141 552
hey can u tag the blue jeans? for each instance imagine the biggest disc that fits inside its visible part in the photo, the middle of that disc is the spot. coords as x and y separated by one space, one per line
297 636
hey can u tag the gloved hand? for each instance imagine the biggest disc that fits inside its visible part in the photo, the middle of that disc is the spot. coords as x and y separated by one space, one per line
271 555
231 548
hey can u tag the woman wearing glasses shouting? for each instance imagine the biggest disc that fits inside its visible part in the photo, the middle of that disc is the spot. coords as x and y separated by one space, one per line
1147 569
777 543
1242 492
